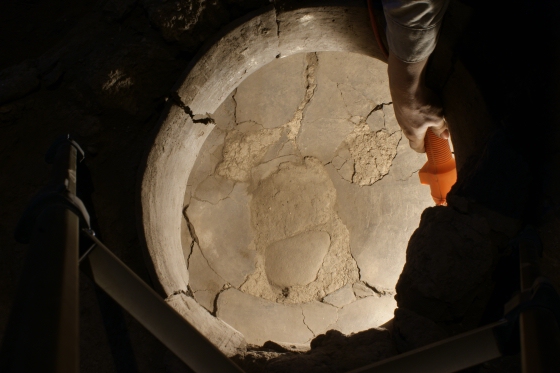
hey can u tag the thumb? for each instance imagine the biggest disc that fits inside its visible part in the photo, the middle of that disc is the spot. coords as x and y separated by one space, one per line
441 130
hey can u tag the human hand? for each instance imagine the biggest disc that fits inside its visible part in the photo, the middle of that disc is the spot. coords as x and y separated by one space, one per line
417 107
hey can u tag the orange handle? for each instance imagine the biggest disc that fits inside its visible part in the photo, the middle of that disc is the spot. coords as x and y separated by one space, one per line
440 172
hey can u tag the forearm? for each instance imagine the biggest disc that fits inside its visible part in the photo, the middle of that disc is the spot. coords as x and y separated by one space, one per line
405 78
416 107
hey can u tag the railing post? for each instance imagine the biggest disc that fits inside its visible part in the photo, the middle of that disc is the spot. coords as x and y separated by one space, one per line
42 333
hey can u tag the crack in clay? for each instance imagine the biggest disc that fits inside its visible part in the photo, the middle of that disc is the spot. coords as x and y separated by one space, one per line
341 96
187 292
409 176
250 121
307 326
209 266
284 145
176 100
234 106
392 159
213 204
277 28
380 292
377 108
195 239
190 254
190 226
215 302
294 125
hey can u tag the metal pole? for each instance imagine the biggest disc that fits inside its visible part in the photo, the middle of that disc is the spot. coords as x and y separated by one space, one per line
146 306
450 355
42 333
539 331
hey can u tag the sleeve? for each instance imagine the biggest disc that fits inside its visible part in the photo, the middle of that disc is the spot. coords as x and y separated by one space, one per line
413 27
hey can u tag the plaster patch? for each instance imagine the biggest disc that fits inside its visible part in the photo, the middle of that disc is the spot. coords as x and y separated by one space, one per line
299 198
372 153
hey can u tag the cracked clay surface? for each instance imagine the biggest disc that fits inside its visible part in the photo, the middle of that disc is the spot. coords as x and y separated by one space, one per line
301 202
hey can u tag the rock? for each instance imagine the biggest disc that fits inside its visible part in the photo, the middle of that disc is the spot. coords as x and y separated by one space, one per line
413 331
134 78
341 297
188 22
17 81
361 290
365 313
255 361
448 266
270 98
225 234
203 280
334 352
260 320
319 317
223 336
214 189
296 260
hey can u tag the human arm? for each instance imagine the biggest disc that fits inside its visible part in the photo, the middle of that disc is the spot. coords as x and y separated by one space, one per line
416 106
412 31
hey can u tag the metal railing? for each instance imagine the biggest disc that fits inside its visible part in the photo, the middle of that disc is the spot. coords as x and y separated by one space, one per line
42 333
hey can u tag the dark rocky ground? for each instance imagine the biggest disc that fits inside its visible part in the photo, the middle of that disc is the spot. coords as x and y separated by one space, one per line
102 71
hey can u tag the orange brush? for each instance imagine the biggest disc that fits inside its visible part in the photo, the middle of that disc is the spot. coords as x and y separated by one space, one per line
440 172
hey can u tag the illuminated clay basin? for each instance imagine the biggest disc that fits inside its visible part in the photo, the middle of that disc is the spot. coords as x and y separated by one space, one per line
290 214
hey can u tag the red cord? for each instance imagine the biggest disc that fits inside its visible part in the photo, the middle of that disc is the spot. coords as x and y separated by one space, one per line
375 30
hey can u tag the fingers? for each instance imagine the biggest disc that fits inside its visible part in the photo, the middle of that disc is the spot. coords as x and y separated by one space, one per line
441 130
416 138
417 146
